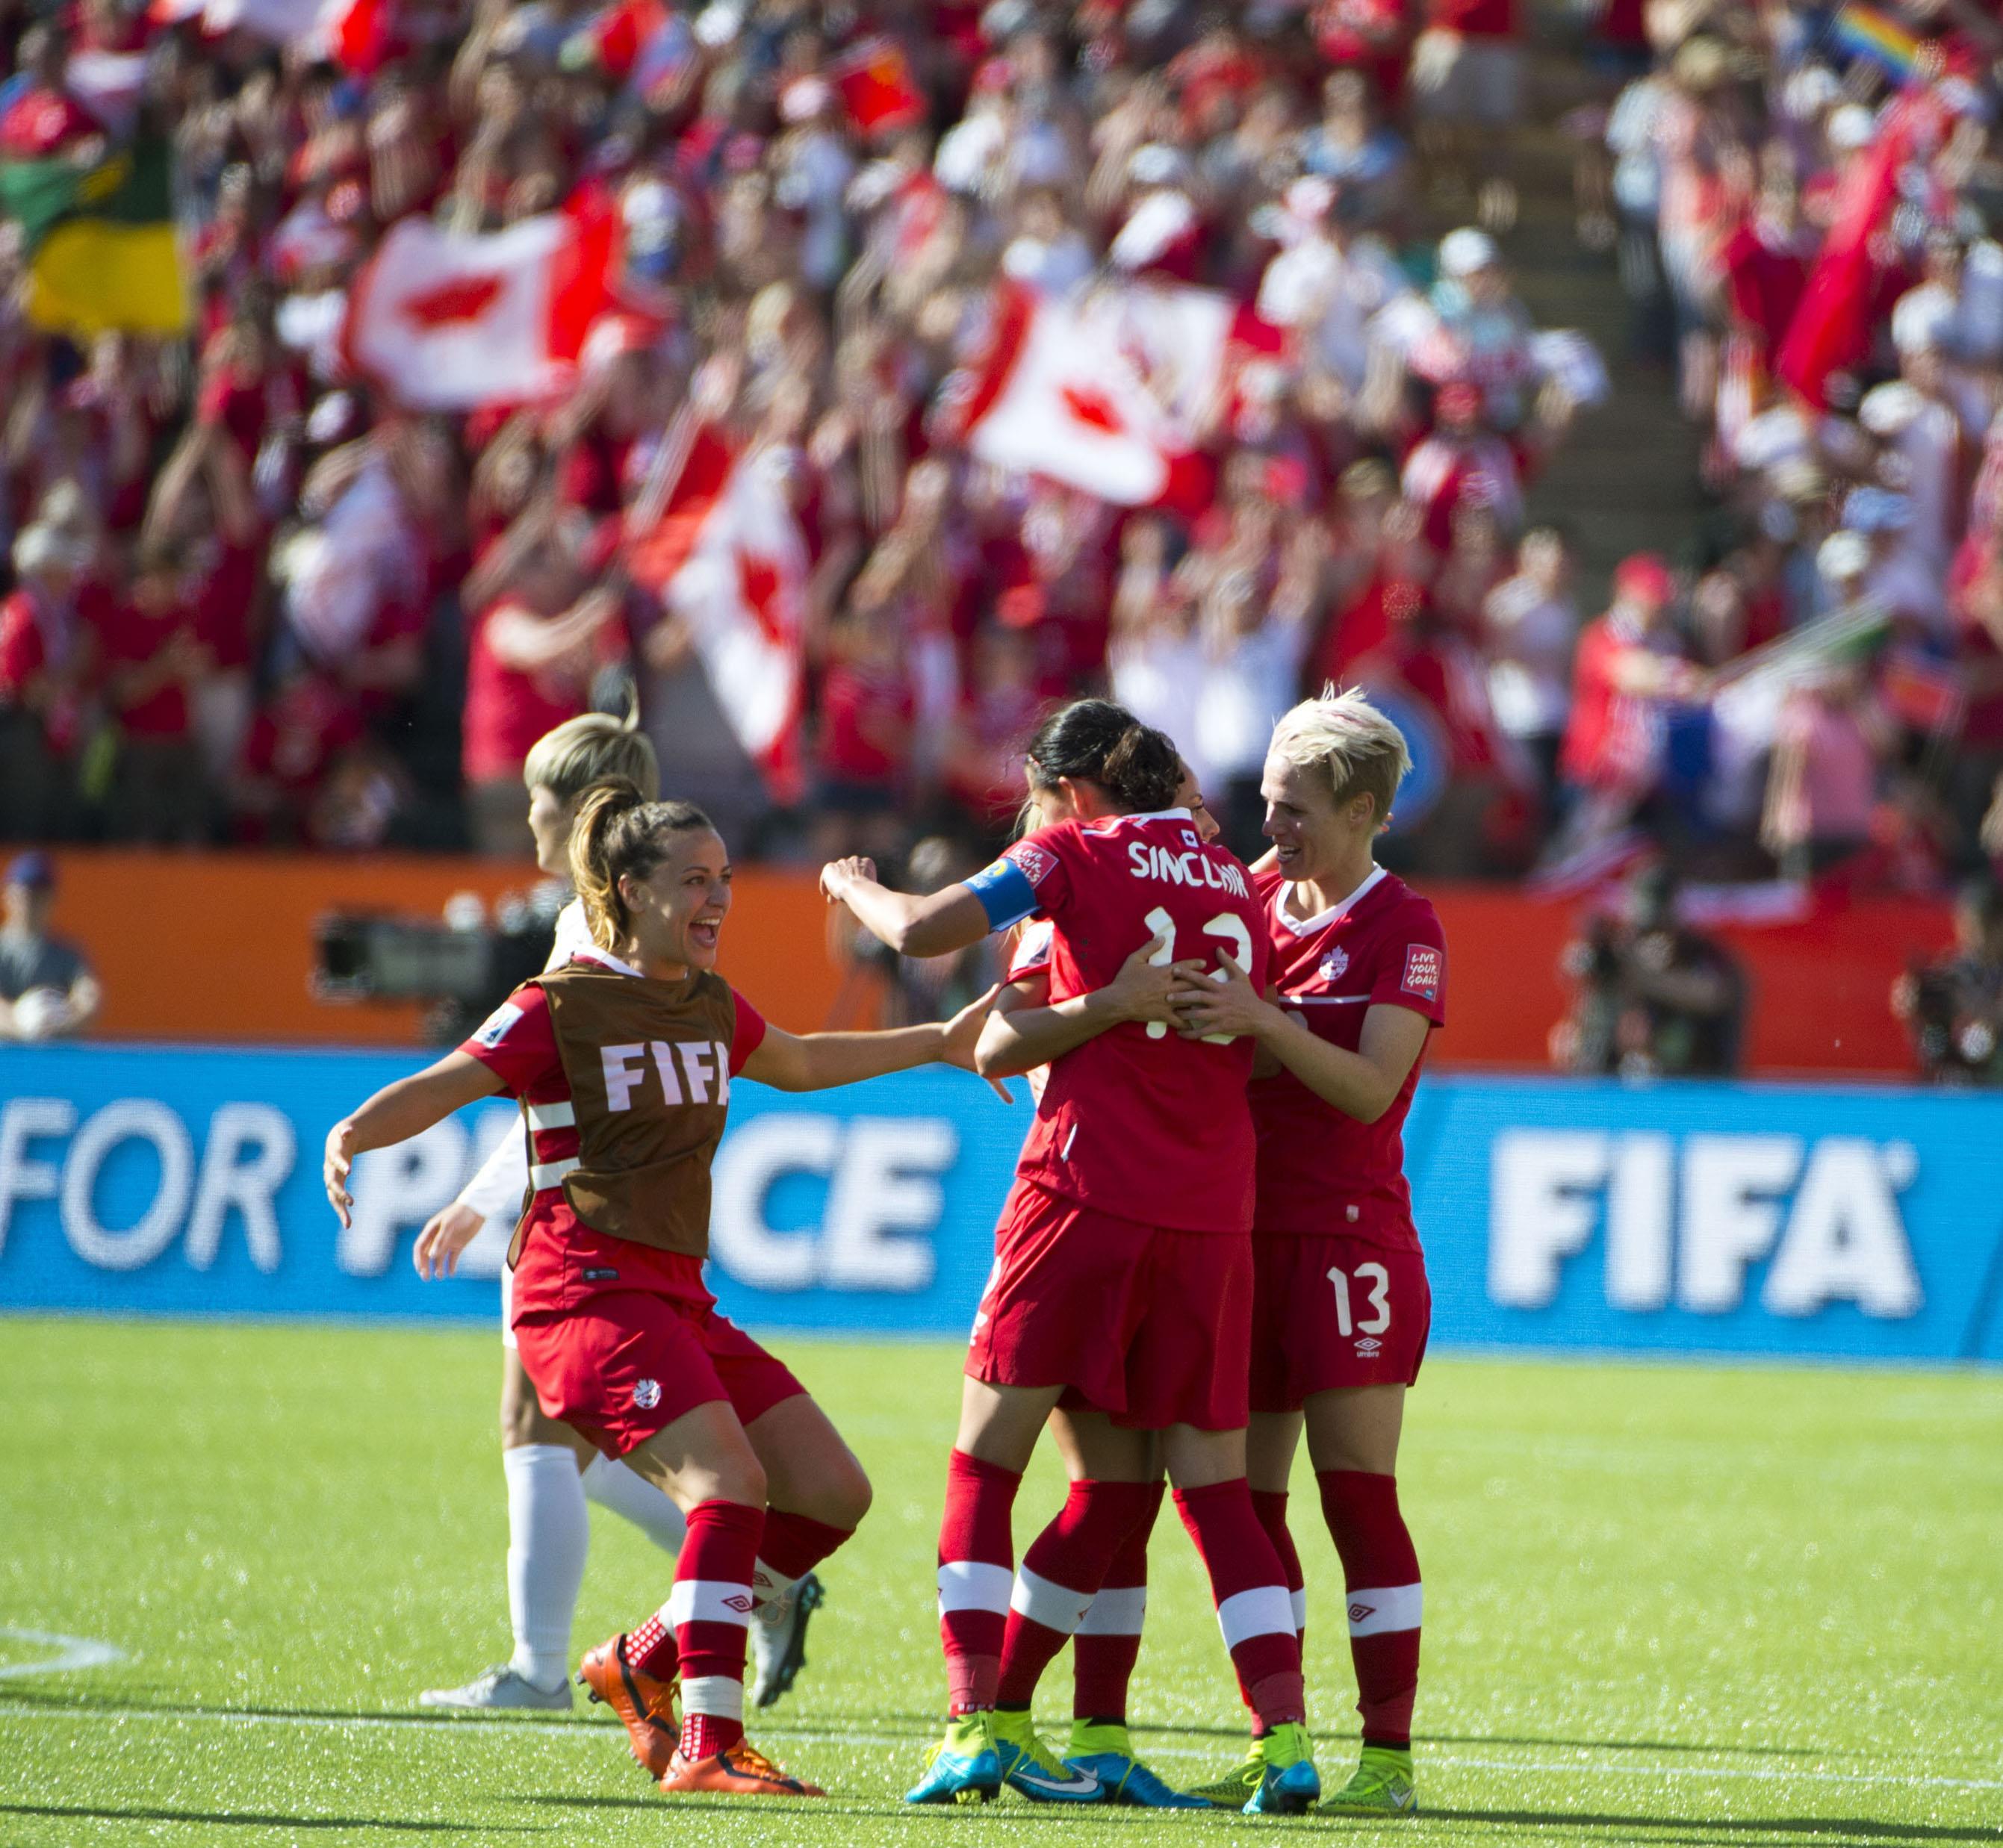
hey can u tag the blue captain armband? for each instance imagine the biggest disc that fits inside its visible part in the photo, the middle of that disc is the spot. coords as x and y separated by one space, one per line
1004 892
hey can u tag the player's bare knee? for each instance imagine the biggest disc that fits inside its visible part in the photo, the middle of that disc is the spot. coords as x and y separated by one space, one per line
847 1496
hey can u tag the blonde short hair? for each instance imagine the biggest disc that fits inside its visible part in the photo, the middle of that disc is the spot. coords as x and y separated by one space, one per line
588 749
1351 743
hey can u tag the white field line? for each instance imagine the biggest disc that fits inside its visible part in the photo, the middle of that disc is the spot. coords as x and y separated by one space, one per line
71 1652
514 1732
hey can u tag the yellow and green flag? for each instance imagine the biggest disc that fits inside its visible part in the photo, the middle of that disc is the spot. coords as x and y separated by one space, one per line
99 242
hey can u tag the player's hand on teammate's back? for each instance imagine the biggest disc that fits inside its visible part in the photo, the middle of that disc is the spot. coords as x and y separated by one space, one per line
1222 1005
963 1034
838 873
333 1170
1145 988
445 1235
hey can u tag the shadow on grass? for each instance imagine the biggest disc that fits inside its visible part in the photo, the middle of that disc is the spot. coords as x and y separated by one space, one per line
1730 1829
927 1726
244 1819
130 1703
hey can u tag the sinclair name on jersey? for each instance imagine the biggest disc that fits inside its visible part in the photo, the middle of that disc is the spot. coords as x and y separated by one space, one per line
1150 860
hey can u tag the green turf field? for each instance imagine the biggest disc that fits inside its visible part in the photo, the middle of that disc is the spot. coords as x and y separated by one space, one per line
1664 1605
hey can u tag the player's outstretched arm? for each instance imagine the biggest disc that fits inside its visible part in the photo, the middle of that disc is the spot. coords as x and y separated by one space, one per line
1361 1084
820 1061
933 923
406 1109
1027 1029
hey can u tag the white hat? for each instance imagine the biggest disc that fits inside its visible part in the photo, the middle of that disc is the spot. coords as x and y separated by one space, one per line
1852 126
804 98
1843 555
1463 252
1810 91
1889 409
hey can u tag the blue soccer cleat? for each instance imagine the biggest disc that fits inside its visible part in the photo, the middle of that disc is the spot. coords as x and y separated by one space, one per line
964 1766
1289 1785
1106 1753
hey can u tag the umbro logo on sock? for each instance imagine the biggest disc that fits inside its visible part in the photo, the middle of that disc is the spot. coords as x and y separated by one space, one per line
1359 1611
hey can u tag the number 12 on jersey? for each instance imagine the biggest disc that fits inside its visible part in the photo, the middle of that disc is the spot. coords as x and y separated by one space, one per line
1226 926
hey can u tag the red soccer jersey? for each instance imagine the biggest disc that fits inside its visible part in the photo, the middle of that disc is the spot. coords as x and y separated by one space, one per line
1153 1129
1318 1170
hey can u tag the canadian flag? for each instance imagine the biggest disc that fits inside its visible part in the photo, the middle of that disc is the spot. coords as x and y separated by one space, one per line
1189 346
354 33
448 320
728 558
1058 396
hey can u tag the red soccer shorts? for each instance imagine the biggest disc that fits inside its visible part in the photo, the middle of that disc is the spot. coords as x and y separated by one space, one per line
1329 1311
1148 1324
620 1340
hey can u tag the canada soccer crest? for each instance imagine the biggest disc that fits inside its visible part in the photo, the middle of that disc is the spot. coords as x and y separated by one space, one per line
1333 964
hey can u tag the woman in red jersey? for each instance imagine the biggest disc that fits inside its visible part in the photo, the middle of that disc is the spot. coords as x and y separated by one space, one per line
1122 1283
623 1061
1341 1306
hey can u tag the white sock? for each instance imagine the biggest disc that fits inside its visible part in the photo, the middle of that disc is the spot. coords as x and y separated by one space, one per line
549 1533
629 1494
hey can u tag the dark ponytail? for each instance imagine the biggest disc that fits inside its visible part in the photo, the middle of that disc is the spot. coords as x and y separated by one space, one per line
618 832
1095 740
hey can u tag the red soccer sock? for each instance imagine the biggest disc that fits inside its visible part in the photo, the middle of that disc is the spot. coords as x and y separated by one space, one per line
709 1607
977 1554
1108 1642
1055 1585
1253 1610
792 1546
1380 1572
1270 1506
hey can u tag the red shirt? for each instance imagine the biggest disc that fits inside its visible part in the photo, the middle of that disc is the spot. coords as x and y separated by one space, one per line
866 718
222 605
518 1044
1320 1170
507 709
1154 1130
42 122
1609 741
129 638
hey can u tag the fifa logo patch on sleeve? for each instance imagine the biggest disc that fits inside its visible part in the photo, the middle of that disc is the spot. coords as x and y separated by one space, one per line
1422 971
1032 862
495 1029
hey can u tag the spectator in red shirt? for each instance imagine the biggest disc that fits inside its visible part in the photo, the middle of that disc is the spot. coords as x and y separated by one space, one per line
45 119
46 660
869 713
151 661
1627 671
535 649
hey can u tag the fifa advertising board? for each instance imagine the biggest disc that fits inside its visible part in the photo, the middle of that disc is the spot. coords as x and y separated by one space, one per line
1855 1223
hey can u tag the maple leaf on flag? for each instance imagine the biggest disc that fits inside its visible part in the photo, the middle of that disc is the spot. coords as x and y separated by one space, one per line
458 298
1092 408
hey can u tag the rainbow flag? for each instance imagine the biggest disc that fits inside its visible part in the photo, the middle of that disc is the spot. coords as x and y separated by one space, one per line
1876 36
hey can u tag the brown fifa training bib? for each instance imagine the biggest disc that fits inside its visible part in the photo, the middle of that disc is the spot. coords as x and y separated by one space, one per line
648 1064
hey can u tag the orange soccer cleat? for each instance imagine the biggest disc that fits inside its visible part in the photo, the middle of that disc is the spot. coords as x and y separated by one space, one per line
739 1770
644 1702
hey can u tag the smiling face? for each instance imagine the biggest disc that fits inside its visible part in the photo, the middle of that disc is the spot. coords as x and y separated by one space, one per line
675 915
1314 835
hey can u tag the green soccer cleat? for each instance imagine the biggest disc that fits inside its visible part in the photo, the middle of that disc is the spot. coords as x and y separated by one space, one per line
1030 1767
1382 1785
1231 1790
1106 1753
964 1766
1289 1784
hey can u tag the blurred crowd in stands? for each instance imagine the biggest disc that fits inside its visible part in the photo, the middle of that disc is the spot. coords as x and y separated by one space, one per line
259 595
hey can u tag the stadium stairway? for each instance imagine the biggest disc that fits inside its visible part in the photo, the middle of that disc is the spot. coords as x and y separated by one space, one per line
1626 478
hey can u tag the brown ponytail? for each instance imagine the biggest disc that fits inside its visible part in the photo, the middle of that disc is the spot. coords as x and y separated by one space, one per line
618 833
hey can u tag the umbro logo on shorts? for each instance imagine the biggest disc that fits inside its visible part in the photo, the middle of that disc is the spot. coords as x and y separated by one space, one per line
646 1394
1367 1345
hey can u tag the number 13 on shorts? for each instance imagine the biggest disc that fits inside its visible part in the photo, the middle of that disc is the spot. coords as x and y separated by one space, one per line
1378 1281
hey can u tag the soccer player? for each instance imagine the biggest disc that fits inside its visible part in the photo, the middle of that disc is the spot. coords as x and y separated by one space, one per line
623 1061
550 1469
1122 1281
1341 1306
